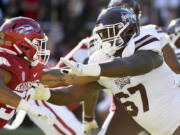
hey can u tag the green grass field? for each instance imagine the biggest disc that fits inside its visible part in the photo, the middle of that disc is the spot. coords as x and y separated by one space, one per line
31 131
24 131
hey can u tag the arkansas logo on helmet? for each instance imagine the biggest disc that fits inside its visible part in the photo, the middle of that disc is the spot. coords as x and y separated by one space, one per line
25 37
25 29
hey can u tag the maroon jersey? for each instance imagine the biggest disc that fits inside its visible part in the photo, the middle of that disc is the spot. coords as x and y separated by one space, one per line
22 77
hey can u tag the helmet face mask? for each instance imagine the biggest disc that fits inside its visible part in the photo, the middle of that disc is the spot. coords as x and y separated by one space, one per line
42 54
114 36
25 37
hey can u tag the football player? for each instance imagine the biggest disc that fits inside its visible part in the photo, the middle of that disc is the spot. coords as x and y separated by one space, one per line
168 53
22 43
62 123
131 71
23 55
65 121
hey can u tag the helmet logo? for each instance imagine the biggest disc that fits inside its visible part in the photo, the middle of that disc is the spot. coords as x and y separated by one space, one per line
128 17
25 29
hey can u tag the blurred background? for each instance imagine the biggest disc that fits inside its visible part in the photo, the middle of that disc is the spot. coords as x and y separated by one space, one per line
66 22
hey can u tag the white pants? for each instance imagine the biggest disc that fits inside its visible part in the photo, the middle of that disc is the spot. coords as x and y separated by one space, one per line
64 122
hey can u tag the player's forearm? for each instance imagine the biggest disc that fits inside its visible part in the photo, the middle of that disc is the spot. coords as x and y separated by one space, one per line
89 105
63 96
139 63
73 94
54 77
171 59
9 97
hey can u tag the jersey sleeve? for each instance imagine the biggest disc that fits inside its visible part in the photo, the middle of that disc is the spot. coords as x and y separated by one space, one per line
152 43
151 38
160 34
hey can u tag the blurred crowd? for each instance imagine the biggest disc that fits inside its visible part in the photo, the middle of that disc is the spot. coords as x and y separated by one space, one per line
66 22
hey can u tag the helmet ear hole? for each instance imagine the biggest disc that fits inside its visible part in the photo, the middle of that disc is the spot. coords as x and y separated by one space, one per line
130 32
14 26
24 47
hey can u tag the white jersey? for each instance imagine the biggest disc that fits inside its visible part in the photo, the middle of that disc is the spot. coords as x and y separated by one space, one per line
150 98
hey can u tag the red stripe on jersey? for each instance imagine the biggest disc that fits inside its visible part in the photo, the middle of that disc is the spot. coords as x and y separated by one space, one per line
3 123
84 46
147 42
58 129
58 118
28 97
36 102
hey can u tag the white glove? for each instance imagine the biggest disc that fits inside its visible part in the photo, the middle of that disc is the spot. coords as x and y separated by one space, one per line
81 69
33 110
40 92
89 126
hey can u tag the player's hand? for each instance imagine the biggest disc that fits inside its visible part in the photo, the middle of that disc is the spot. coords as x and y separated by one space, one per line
89 126
39 92
34 110
81 69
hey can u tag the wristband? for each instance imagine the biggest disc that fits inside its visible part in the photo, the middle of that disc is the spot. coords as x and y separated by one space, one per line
89 118
91 70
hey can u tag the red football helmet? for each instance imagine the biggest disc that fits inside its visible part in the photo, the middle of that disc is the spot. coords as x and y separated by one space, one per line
25 37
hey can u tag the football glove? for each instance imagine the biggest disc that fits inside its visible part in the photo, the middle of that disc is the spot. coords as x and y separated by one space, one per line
81 69
39 92
89 124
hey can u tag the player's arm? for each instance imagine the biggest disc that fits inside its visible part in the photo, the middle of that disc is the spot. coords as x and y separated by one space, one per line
141 62
89 107
7 96
54 77
73 94
171 59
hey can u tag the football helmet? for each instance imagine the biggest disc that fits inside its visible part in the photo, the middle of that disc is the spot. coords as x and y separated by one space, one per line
133 4
115 27
174 32
25 37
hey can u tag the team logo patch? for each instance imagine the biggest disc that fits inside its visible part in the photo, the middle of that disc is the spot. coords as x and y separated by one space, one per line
121 82
4 61
25 29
